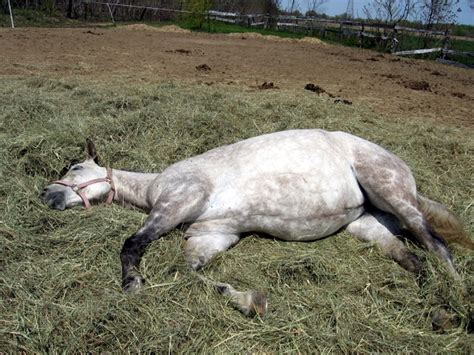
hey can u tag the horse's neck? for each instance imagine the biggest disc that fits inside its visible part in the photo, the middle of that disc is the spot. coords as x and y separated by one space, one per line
131 188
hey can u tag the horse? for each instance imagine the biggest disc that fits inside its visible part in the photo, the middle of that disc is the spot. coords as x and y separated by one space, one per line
296 185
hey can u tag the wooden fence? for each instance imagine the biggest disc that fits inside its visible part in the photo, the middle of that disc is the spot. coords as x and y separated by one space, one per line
389 36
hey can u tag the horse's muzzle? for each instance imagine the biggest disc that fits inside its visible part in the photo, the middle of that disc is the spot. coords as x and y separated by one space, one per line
54 199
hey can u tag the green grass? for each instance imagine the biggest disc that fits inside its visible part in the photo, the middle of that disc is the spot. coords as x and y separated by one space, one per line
36 18
220 27
463 30
60 271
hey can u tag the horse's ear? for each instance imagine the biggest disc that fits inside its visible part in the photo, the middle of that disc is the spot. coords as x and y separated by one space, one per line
91 151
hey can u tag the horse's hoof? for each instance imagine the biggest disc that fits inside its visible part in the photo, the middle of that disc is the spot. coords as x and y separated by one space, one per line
443 321
132 285
259 304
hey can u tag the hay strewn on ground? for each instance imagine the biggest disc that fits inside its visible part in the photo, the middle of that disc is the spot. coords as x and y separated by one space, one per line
60 271
247 35
168 28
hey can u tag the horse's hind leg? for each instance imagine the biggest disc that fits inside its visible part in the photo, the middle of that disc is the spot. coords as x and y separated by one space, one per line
200 249
382 228
390 187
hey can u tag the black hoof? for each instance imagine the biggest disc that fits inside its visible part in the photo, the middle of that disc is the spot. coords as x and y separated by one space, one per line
222 289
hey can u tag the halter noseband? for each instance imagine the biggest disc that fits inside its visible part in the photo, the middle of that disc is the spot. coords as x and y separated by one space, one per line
77 188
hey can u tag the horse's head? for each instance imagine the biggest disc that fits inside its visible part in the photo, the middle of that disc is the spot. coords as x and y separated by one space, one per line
83 182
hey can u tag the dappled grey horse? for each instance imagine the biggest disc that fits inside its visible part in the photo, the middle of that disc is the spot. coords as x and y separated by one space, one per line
298 185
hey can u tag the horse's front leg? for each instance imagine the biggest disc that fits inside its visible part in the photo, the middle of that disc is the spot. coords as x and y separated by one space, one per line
178 204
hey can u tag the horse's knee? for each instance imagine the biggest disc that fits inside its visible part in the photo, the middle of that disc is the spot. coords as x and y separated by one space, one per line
199 250
195 260
198 253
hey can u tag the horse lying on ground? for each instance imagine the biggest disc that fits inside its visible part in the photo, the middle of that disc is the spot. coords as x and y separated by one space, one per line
298 185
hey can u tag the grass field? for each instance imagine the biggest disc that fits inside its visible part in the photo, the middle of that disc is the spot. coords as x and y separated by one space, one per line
60 278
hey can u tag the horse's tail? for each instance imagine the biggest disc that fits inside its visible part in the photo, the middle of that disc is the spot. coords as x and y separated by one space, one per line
444 223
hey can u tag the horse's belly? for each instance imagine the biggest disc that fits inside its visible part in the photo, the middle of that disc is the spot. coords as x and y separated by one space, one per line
288 206
303 229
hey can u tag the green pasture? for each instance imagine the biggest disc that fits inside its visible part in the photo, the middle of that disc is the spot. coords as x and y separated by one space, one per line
60 271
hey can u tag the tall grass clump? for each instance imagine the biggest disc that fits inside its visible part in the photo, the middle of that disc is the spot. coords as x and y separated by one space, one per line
60 271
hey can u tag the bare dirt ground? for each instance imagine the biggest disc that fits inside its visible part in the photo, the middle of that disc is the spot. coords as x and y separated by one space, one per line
393 87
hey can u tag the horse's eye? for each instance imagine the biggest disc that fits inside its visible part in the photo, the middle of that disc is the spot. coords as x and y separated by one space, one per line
77 167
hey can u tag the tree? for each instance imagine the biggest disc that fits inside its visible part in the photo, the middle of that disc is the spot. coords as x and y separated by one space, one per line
313 6
271 7
432 12
198 10
389 11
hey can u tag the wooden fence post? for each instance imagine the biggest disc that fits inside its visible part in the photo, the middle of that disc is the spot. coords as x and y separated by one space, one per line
445 44
361 36
394 44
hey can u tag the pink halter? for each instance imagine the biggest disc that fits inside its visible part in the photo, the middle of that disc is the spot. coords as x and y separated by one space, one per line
77 188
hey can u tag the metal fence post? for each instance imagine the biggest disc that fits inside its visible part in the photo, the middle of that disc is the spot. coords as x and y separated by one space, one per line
110 12
11 14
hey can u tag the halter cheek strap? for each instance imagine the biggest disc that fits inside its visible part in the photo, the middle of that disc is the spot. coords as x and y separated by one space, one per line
78 188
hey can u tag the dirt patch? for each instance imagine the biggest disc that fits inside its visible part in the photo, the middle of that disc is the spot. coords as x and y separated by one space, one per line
179 50
93 33
203 67
267 86
183 51
437 73
343 101
132 53
459 95
390 76
418 85
315 88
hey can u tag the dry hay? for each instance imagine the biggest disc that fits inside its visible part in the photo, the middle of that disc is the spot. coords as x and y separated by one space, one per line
254 35
313 40
60 284
144 27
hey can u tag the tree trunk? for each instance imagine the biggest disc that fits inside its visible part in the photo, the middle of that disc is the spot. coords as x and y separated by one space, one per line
69 8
